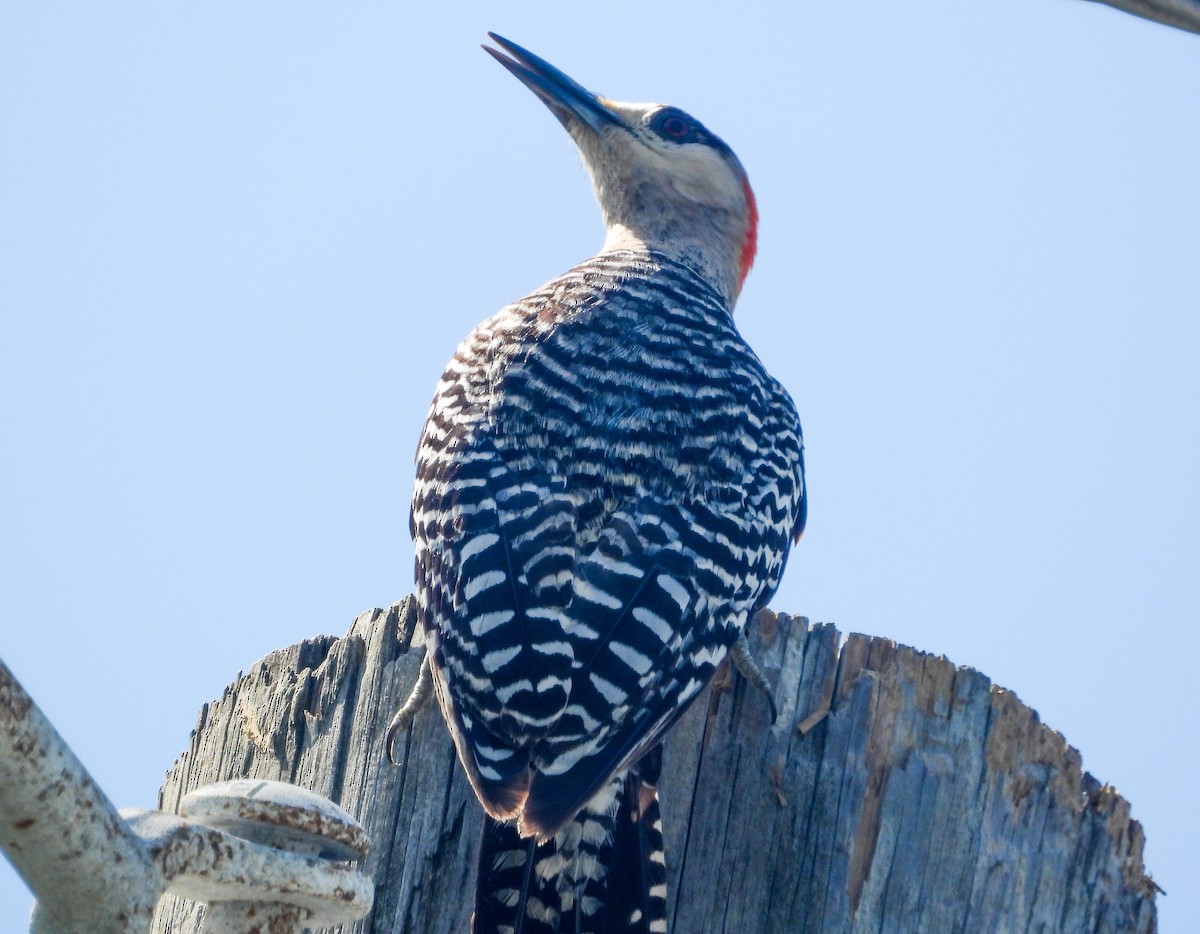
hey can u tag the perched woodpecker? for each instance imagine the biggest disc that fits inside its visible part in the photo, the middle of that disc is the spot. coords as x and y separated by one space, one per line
608 484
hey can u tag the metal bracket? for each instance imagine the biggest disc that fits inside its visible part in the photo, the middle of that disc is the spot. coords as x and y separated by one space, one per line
263 855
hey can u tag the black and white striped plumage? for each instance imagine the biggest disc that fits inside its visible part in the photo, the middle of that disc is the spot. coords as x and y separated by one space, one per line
607 487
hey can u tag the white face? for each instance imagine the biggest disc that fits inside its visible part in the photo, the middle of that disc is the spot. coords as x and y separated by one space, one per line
699 166
664 182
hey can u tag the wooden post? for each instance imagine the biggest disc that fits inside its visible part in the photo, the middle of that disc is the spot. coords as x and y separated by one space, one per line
895 792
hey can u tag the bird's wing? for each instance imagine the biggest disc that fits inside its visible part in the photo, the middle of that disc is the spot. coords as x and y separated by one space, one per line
663 594
494 555
557 669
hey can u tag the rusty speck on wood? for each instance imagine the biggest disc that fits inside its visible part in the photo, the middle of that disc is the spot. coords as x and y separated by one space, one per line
768 625
812 720
777 782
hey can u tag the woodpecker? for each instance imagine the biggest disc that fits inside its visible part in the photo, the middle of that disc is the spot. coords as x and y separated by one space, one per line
608 485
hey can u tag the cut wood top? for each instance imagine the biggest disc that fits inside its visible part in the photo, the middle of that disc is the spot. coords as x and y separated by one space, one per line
896 791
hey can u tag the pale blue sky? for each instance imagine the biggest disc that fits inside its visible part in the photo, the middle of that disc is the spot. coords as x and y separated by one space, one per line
240 243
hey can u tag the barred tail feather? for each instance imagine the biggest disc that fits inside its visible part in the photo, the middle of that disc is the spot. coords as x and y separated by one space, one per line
506 863
637 886
603 873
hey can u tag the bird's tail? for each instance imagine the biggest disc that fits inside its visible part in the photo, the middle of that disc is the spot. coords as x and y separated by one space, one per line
603 873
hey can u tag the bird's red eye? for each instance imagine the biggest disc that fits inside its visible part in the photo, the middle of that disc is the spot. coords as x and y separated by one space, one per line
675 126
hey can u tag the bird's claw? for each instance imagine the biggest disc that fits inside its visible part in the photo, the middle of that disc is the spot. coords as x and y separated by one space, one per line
417 698
743 661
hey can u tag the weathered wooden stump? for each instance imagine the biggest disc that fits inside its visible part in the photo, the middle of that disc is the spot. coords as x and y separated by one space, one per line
896 792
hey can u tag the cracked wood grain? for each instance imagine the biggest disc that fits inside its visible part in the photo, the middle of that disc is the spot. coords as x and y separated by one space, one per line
895 792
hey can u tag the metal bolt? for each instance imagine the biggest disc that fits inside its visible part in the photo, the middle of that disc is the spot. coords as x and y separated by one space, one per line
264 856
280 815
284 817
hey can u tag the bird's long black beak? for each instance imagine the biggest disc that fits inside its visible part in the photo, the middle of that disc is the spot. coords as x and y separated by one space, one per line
567 99
1182 14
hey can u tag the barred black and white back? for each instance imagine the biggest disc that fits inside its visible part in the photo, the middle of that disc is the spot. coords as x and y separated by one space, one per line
607 485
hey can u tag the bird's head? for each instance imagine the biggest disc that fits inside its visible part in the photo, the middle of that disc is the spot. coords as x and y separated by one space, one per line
663 181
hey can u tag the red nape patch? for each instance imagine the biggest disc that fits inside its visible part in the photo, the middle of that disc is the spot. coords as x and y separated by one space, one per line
750 244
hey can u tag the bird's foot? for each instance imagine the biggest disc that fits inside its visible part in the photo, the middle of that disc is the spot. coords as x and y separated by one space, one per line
417 698
748 668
